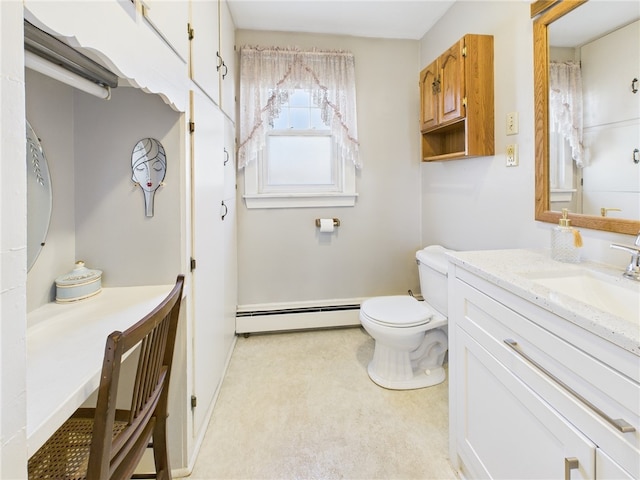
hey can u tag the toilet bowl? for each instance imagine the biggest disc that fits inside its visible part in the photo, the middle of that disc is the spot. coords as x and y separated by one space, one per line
410 335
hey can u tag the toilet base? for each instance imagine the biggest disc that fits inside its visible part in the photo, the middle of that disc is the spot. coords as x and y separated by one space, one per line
421 379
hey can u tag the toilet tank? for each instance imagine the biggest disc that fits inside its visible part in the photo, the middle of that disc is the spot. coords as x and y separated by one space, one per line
432 269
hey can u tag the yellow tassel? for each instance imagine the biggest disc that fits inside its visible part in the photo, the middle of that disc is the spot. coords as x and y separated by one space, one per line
577 238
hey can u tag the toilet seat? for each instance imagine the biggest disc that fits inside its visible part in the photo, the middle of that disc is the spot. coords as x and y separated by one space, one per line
400 311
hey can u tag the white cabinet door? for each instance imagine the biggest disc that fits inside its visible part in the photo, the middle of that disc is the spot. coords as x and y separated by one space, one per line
229 161
228 52
607 469
207 236
230 233
504 429
169 19
230 271
205 51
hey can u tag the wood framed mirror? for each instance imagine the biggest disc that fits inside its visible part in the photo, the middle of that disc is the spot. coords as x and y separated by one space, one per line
544 14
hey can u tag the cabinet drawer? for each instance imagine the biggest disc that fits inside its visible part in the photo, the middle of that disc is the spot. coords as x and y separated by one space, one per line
506 430
544 362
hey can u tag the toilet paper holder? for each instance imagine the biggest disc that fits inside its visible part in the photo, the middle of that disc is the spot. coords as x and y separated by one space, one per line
336 222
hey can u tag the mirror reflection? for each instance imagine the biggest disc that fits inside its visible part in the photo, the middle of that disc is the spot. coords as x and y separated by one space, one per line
39 196
594 113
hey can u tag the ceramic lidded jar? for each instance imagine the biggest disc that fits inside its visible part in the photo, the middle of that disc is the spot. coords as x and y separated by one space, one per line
78 284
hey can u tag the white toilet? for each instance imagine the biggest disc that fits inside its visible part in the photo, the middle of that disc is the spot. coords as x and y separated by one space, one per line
410 335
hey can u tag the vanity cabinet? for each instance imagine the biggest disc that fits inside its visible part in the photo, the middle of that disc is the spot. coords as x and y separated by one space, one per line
456 101
533 396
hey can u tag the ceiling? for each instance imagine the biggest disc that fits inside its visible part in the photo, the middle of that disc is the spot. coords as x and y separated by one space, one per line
591 21
401 19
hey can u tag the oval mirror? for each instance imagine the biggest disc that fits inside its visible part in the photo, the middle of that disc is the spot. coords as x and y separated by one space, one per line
39 197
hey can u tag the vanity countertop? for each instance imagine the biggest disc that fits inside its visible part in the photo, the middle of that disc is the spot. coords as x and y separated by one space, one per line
515 271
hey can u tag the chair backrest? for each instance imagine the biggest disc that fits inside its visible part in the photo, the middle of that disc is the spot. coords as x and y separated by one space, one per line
116 456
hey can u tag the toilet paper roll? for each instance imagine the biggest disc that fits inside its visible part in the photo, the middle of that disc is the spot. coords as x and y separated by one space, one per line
326 225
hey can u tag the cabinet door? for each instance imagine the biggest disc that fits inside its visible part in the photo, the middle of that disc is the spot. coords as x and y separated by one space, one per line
170 20
451 83
504 429
428 97
230 271
229 160
608 469
205 51
208 334
228 52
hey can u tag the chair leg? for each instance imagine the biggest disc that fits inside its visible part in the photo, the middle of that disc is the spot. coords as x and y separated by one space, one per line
161 449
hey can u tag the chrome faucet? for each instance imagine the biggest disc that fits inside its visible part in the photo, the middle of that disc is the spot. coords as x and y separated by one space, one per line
633 269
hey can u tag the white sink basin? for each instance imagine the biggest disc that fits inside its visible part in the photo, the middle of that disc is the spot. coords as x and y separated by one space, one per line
618 296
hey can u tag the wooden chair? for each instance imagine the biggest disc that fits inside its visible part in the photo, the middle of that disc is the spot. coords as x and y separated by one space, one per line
104 443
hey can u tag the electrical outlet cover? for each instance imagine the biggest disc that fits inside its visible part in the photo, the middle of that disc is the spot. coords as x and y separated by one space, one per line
512 155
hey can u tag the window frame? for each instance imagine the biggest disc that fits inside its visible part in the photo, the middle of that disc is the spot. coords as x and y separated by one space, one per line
340 193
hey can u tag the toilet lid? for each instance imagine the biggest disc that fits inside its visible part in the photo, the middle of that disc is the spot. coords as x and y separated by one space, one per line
396 311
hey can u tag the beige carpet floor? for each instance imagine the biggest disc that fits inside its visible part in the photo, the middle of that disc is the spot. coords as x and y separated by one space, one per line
301 406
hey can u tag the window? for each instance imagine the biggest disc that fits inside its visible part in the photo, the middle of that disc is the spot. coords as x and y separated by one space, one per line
300 148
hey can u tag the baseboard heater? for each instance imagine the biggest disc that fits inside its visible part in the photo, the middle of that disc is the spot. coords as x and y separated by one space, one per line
275 318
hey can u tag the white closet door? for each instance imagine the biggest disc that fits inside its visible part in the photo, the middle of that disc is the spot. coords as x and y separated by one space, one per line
209 349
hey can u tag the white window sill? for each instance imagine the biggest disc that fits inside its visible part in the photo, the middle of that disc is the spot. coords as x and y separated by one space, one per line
300 200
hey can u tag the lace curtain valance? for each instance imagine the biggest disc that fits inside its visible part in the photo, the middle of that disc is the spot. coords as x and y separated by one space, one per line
269 75
565 105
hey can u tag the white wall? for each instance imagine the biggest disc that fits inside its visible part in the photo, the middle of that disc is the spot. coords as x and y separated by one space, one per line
13 246
281 256
97 211
112 231
49 107
479 203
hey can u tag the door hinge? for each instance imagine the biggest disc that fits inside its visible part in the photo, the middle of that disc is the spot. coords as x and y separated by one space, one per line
190 31
464 51
192 264
464 101
192 127
194 402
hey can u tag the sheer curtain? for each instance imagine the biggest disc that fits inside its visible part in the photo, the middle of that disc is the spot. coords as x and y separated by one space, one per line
565 105
269 75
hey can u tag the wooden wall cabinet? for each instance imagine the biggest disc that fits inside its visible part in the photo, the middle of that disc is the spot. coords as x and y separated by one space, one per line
456 101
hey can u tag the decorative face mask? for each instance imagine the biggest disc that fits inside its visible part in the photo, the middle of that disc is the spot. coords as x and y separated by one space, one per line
148 167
